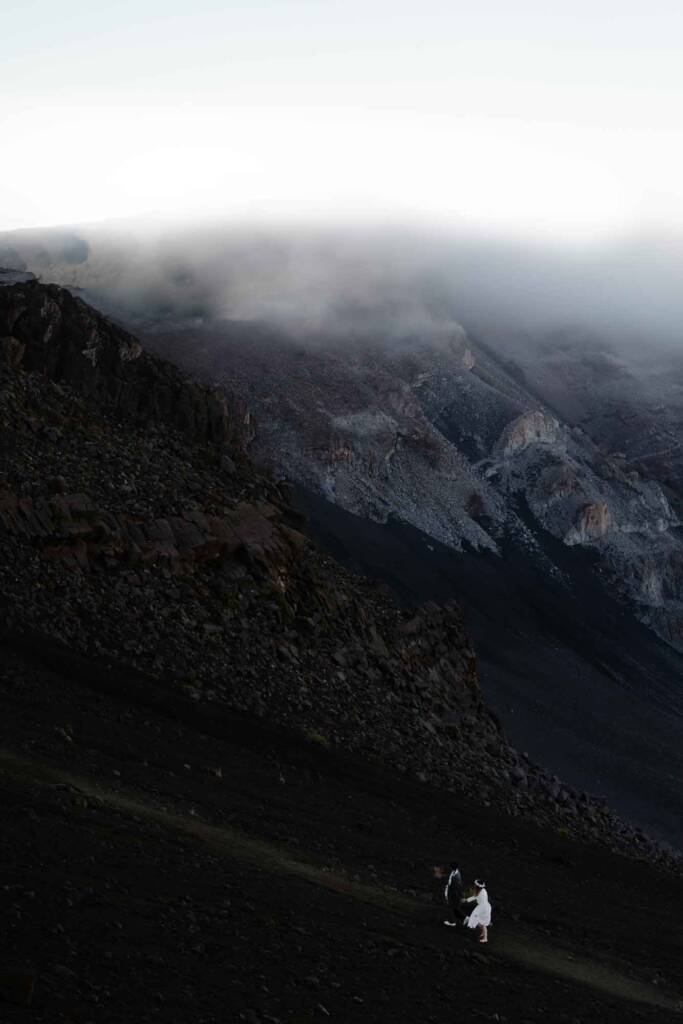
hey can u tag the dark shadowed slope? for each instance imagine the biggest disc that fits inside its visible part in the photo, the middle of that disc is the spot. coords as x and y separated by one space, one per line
154 872
579 683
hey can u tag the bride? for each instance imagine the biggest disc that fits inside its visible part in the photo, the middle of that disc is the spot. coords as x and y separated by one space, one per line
480 917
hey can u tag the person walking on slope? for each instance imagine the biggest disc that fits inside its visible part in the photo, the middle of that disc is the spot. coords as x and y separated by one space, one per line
453 894
480 917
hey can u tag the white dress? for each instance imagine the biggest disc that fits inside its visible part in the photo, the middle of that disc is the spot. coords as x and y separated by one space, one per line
482 912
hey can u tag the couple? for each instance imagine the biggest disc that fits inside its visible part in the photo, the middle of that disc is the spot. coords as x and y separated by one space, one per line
480 916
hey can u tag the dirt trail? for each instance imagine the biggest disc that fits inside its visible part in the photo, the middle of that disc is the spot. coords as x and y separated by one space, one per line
268 857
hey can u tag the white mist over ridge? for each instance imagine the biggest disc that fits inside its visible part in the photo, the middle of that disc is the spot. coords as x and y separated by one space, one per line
357 280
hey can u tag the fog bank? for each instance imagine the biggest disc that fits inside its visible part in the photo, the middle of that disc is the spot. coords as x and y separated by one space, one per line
391 281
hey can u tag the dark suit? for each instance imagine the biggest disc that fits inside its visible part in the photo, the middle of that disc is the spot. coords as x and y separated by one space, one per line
454 893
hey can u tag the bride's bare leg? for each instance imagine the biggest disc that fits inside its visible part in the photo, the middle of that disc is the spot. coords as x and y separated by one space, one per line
484 937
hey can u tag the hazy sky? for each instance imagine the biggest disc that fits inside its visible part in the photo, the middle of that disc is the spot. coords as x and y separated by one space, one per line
548 117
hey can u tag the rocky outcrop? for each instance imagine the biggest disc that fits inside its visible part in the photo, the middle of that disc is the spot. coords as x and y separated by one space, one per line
536 427
73 529
347 426
46 329
592 523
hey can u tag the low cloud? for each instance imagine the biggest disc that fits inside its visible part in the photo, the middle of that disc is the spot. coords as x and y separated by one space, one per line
386 283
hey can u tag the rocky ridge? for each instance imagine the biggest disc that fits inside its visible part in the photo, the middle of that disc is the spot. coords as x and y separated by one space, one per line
46 329
416 432
136 532
400 414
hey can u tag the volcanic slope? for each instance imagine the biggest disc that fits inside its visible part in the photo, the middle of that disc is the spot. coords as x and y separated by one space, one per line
576 679
166 863
135 529
542 473
436 468
212 738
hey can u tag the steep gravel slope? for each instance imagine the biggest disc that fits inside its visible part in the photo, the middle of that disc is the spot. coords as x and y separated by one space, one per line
157 871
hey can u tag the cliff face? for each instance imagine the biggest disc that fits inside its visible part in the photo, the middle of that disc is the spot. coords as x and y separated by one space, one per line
442 436
46 329
141 537
351 424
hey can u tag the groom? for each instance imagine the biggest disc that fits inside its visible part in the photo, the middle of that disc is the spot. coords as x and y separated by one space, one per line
453 891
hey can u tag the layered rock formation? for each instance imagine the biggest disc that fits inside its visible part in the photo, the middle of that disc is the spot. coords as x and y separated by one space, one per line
47 329
70 528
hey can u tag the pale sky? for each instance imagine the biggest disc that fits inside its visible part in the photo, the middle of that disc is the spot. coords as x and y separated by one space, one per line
552 118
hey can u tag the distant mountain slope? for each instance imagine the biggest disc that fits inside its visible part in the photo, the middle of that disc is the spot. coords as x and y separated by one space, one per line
135 531
630 401
549 541
441 435
377 399
545 468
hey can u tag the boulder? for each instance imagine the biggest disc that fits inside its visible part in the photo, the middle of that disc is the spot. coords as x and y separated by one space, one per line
535 427
592 522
